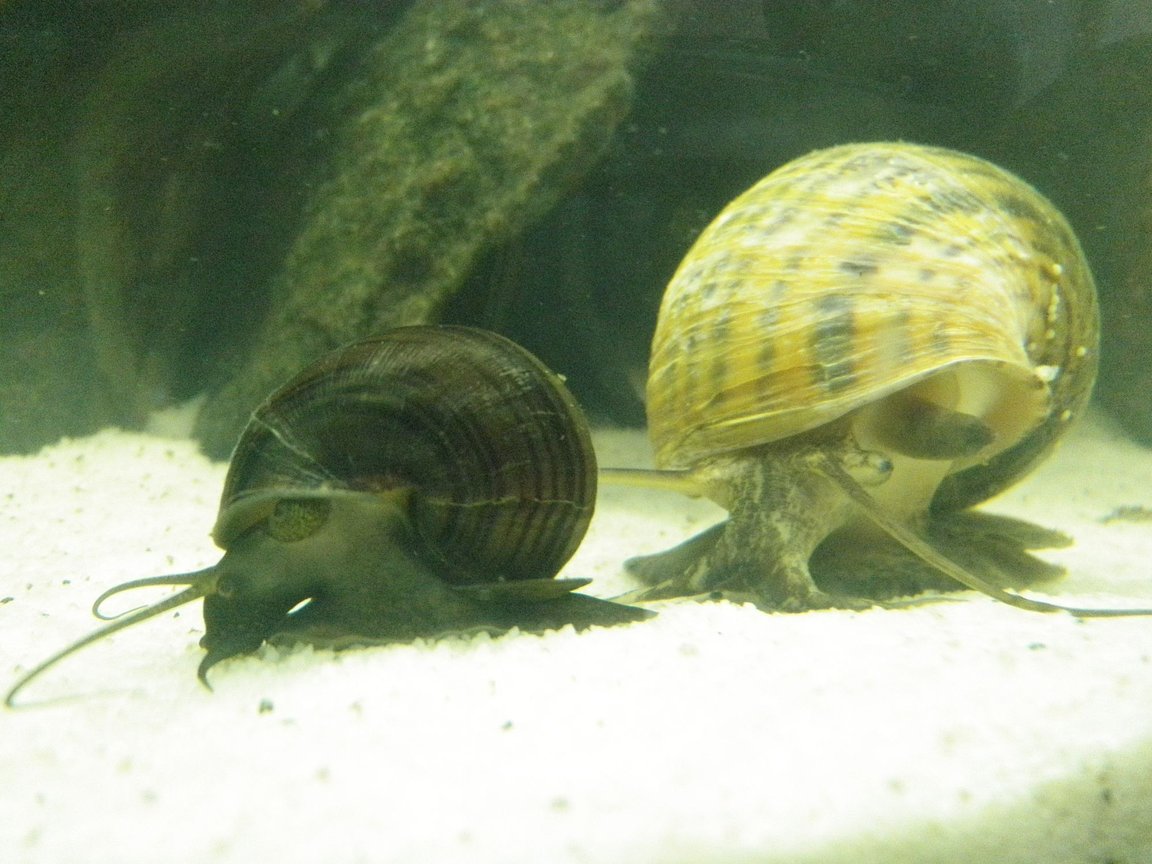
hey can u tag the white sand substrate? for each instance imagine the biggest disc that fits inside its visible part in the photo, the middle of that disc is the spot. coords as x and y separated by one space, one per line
946 732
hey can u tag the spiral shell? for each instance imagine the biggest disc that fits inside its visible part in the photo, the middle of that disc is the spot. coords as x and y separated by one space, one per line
864 344
859 271
491 442
430 480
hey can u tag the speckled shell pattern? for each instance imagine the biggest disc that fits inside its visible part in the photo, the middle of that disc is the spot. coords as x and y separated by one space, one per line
854 272
493 446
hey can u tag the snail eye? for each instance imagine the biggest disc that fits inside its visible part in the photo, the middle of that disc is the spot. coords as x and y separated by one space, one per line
294 519
225 587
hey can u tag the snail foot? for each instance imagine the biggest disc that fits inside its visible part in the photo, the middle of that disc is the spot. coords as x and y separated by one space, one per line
668 571
995 548
812 601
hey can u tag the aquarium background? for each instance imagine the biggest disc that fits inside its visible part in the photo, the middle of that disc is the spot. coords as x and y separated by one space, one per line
197 200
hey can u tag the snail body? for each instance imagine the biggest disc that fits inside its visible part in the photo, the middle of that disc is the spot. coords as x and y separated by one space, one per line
858 349
431 480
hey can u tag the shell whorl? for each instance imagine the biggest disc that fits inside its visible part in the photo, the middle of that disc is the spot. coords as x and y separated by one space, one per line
857 271
491 444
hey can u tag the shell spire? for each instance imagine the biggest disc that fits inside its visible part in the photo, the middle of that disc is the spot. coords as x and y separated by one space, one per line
855 272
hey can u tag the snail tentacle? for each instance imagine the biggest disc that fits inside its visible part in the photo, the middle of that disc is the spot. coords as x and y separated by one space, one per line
684 482
918 545
194 591
146 582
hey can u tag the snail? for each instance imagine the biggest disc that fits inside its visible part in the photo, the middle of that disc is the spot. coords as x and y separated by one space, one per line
861 347
431 480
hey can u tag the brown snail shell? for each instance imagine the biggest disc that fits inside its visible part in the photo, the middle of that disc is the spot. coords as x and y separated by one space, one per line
430 480
864 344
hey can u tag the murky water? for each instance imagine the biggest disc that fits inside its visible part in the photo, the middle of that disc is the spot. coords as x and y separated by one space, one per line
199 201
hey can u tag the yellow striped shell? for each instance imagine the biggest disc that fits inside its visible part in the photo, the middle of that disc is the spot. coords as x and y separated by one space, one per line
858 271
861 346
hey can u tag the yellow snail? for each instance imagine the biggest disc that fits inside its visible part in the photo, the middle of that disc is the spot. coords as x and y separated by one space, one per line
866 343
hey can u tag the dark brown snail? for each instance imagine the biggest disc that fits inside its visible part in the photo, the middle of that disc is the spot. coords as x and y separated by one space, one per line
431 480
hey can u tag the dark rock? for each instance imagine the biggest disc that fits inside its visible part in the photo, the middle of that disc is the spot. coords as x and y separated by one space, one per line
463 125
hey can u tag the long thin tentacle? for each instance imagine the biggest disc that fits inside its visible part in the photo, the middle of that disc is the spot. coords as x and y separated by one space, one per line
921 547
199 586
653 478
146 582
